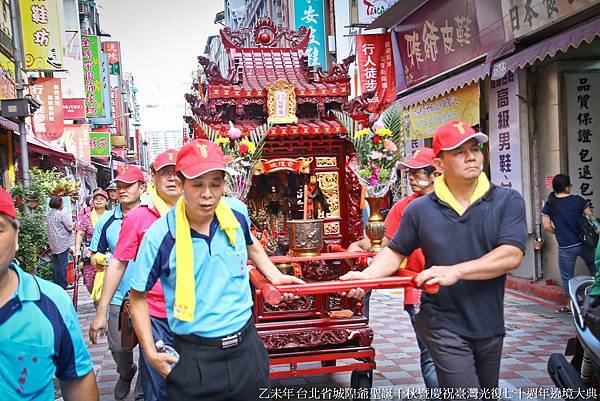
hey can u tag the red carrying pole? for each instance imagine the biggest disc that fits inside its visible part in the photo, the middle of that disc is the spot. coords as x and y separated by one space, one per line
76 284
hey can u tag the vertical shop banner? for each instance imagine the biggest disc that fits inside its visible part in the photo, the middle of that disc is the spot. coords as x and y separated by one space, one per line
461 104
524 16
369 10
7 78
311 14
112 49
73 83
375 63
582 100
42 34
76 139
505 137
48 120
92 75
105 119
100 144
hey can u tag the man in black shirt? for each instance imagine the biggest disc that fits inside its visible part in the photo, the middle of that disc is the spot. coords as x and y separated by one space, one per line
471 233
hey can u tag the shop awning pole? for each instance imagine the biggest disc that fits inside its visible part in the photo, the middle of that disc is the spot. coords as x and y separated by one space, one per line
16 42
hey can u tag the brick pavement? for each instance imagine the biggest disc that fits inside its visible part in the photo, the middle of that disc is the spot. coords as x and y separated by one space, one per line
534 332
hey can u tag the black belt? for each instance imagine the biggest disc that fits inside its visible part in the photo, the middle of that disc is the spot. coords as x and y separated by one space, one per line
223 342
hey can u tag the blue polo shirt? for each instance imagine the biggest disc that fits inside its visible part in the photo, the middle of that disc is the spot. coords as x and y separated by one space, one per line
40 338
106 235
223 297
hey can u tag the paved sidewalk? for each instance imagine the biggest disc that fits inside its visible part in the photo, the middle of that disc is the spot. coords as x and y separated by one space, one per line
534 332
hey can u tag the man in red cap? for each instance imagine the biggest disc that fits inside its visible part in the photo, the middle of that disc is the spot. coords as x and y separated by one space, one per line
200 251
39 328
471 233
421 175
162 194
130 186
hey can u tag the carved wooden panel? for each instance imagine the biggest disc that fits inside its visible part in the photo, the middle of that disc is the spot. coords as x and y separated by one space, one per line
326 161
313 337
329 184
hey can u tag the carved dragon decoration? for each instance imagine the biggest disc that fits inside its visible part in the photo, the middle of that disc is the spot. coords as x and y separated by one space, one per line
360 104
337 74
213 73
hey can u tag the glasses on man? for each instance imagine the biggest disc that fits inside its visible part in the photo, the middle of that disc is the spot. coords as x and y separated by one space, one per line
167 171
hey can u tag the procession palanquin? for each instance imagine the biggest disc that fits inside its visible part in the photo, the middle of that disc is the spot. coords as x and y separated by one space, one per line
303 174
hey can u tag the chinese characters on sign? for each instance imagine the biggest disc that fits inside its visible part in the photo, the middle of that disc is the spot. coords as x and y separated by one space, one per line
375 63
100 144
42 41
369 10
48 121
438 38
311 14
582 90
461 104
92 76
505 138
77 140
7 78
524 16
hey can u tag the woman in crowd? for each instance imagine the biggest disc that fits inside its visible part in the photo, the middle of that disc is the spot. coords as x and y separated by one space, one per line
85 228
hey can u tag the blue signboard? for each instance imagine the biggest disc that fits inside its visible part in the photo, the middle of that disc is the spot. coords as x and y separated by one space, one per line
311 14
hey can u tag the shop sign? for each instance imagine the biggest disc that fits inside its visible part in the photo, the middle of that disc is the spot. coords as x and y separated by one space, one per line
42 34
92 74
300 165
112 49
442 35
7 78
505 137
74 109
76 139
582 100
461 104
368 11
375 61
524 16
106 118
100 144
311 14
48 120
73 84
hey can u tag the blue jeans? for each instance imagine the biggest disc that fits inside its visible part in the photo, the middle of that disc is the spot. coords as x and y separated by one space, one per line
153 384
427 366
59 268
566 263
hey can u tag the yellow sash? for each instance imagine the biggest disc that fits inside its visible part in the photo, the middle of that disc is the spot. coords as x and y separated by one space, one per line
185 284
159 204
443 192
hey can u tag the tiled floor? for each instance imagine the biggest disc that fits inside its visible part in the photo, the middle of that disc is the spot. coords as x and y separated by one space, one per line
534 332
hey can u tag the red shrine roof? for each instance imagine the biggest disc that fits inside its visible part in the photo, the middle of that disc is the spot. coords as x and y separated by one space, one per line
268 53
261 67
305 126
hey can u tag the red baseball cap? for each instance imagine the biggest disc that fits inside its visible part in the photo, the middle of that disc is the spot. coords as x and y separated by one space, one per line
99 191
422 157
453 134
130 174
166 158
200 157
7 205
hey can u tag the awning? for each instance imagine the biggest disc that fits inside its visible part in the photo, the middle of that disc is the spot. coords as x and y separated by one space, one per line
449 84
6 123
305 126
396 14
573 38
35 145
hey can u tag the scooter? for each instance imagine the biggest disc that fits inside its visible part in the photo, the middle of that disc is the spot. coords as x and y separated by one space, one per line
581 376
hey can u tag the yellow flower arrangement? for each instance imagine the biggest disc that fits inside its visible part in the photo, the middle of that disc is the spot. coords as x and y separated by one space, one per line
362 133
383 132
222 140
251 147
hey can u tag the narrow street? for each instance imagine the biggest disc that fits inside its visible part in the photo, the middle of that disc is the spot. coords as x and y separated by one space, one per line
533 332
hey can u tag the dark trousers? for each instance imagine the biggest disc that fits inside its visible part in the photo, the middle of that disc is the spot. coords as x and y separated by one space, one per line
209 372
153 384
427 366
59 268
462 362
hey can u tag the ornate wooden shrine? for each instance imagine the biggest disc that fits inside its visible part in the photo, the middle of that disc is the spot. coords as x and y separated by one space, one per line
303 173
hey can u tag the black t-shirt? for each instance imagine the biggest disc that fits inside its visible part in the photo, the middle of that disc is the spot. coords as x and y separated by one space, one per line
472 308
565 213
